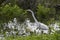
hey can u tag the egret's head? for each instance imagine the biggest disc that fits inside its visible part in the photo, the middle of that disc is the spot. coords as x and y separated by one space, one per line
29 10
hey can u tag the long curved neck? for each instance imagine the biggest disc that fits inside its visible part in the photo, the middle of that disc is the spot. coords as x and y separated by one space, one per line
32 15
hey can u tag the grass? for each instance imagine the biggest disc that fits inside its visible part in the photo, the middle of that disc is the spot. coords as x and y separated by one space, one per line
36 37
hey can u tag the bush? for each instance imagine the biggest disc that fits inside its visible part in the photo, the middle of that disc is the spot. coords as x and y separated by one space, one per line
9 12
42 13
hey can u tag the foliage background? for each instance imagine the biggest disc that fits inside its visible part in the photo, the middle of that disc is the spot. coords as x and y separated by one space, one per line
44 10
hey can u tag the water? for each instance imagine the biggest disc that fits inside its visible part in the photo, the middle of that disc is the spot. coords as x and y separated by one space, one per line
15 28
2 37
55 27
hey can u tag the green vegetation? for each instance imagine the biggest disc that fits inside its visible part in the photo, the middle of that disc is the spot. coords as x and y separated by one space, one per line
43 13
44 10
9 12
36 37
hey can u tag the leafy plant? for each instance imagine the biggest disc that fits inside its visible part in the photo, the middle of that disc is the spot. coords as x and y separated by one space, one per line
42 13
9 12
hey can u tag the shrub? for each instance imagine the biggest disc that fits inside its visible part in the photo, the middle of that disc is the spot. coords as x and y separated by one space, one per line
8 12
42 13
